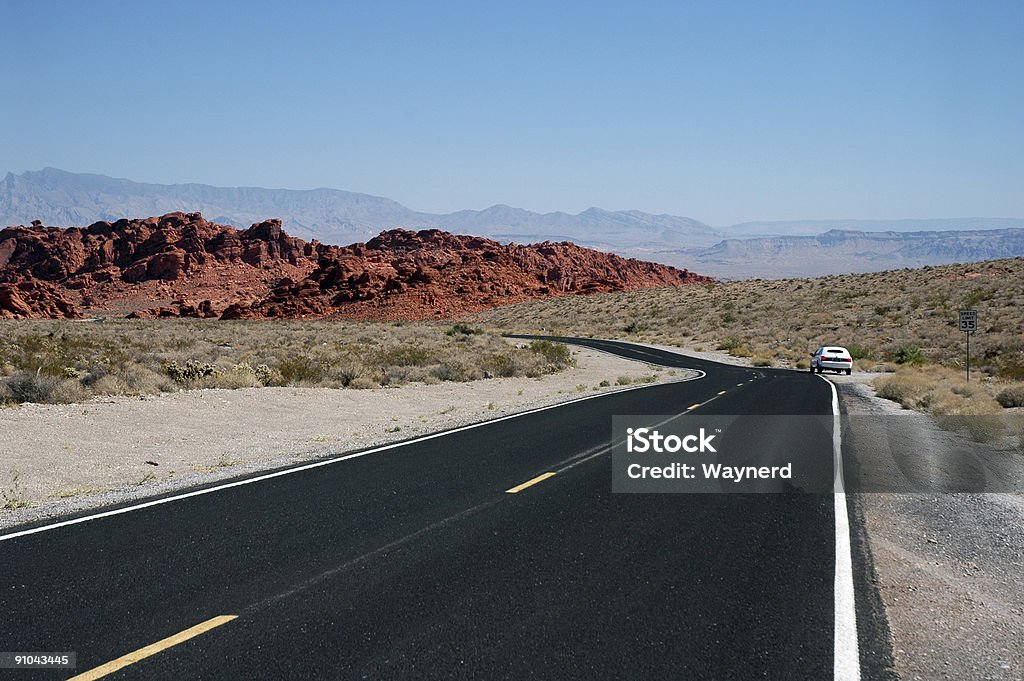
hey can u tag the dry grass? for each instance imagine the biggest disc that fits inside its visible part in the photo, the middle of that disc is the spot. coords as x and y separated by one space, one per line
885 318
972 408
62 361
940 391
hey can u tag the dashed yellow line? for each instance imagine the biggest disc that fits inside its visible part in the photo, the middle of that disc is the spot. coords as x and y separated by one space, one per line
692 407
152 649
519 488
722 393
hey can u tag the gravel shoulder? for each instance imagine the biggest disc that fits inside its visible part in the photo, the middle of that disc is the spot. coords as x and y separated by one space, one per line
59 459
947 566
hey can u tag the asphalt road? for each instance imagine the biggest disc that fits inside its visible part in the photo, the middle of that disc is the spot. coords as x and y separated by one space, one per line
414 562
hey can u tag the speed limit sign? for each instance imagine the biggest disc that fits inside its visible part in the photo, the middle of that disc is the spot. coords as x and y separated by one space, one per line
968 320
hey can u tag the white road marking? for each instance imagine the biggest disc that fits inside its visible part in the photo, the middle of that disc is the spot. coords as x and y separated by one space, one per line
846 659
318 464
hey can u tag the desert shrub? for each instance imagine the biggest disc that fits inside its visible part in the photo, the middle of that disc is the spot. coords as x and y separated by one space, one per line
858 351
910 355
502 364
263 374
1011 365
457 370
634 327
1011 396
69 390
399 375
463 329
980 427
29 387
364 383
624 380
133 379
301 370
763 361
190 373
730 344
556 353
230 378
349 370
408 356
908 389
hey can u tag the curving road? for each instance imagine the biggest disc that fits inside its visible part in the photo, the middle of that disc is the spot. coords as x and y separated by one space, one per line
414 561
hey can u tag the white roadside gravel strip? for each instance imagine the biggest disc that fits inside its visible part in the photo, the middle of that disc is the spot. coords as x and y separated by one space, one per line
66 458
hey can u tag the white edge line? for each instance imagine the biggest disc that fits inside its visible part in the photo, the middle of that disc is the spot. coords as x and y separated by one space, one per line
326 462
846 660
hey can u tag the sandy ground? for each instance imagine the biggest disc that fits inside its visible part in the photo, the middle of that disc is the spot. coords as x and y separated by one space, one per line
63 458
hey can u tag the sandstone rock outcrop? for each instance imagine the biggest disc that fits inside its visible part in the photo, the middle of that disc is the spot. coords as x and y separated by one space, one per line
181 265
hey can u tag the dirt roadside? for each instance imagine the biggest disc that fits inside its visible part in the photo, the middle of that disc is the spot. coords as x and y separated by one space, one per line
948 566
58 459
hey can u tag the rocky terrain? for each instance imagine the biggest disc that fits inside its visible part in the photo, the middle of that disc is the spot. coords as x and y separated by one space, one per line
181 265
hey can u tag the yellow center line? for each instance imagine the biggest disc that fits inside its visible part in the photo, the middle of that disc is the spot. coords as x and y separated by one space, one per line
520 488
152 649
692 407
722 393
739 385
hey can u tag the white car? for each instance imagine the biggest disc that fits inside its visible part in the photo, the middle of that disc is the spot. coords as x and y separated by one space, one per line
832 357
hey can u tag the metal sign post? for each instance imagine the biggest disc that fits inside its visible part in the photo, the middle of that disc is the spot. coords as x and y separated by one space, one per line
968 324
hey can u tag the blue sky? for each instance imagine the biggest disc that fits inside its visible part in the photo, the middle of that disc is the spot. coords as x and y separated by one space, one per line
721 111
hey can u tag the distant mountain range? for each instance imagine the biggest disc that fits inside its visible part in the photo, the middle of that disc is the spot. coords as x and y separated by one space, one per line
839 251
64 199
751 249
815 227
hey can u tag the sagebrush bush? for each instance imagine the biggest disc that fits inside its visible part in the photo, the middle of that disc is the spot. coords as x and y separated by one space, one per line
556 353
1011 396
29 387
909 354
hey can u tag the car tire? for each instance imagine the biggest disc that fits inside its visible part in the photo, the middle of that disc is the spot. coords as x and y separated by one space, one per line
849 371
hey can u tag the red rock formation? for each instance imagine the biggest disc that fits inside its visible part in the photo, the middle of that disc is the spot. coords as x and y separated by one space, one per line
32 298
139 265
433 274
156 267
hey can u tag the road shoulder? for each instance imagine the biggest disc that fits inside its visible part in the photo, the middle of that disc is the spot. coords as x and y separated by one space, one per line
945 567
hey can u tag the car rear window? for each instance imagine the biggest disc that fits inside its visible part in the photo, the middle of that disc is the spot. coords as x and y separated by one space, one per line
836 351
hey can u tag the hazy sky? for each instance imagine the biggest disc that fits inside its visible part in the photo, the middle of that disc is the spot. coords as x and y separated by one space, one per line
720 111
